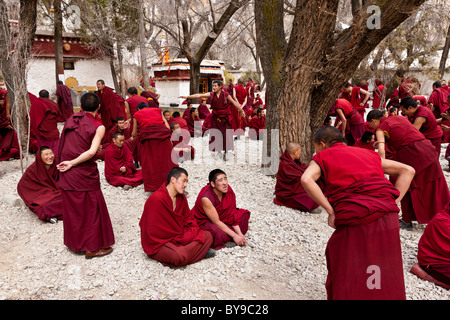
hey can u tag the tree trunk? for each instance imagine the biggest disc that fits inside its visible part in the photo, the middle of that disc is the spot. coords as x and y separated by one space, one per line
142 49
58 26
271 51
444 55
318 63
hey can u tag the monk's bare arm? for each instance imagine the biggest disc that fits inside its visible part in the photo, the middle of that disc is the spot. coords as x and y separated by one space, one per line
404 174
309 178
196 96
341 116
381 144
236 104
366 96
85 156
127 110
212 215
134 133
418 122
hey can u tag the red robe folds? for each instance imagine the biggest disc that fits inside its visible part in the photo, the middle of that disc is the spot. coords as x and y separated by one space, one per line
156 153
39 190
133 102
115 158
238 121
170 235
428 193
9 144
221 133
364 258
65 102
203 111
110 108
434 248
152 99
289 190
256 127
355 99
228 214
87 225
43 122
377 97
355 123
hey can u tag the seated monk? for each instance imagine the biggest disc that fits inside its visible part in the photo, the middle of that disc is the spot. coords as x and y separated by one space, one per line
169 232
367 141
289 190
38 187
256 125
364 254
183 150
194 123
215 210
167 116
156 149
433 253
119 166
206 125
203 110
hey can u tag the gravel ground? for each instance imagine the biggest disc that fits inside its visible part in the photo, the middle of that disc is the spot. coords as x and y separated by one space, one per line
284 260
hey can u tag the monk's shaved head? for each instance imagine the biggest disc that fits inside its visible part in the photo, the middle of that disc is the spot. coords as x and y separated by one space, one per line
328 135
292 147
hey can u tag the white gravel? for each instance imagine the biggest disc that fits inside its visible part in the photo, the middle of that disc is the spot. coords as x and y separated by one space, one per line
285 258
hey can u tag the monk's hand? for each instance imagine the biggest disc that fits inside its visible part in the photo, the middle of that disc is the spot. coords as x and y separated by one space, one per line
445 115
431 106
64 166
99 148
445 128
123 169
239 240
331 217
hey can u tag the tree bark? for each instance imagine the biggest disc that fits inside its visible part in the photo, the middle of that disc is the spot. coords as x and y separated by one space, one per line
318 64
444 56
142 49
58 27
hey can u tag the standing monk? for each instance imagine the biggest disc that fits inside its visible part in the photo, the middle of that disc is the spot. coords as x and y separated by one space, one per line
221 131
352 123
363 255
437 101
169 232
289 190
423 119
215 211
87 225
110 108
428 193
65 102
357 97
9 144
156 150
134 99
241 96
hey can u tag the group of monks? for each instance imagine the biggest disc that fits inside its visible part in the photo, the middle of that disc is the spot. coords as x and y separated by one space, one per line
346 178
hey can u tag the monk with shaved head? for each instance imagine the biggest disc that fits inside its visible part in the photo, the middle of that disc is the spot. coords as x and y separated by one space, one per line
289 191
363 255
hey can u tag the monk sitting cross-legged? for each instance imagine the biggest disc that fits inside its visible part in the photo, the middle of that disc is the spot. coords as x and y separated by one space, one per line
289 190
38 187
215 210
119 165
169 232
363 255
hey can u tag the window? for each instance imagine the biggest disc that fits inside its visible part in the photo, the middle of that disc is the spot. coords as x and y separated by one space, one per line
69 65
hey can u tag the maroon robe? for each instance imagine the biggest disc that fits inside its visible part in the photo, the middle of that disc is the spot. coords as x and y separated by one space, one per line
115 158
206 125
221 133
428 192
377 96
203 111
87 225
110 108
152 99
367 227
364 145
228 213
133 102
39 190
289 190
238 122
256 127
9 143
171 235
194 125
439 100
355 122
156 154
355 99
434 248
65 102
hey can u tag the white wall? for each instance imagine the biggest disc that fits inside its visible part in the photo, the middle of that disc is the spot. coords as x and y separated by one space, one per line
171 90
41 74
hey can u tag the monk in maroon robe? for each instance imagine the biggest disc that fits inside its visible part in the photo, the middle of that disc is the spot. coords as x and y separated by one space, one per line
352 123
169 232
187 111
110 108
437 101
43 120
289 191
257 125
221 131
156 153
194 123
152 98
203 110
378 94
65 102
423 119
434 251
119 166
357 97
180 139
38 187
87 225
367 141
134 99
363 255
9 144
428 193
215 211
206 125
241 96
